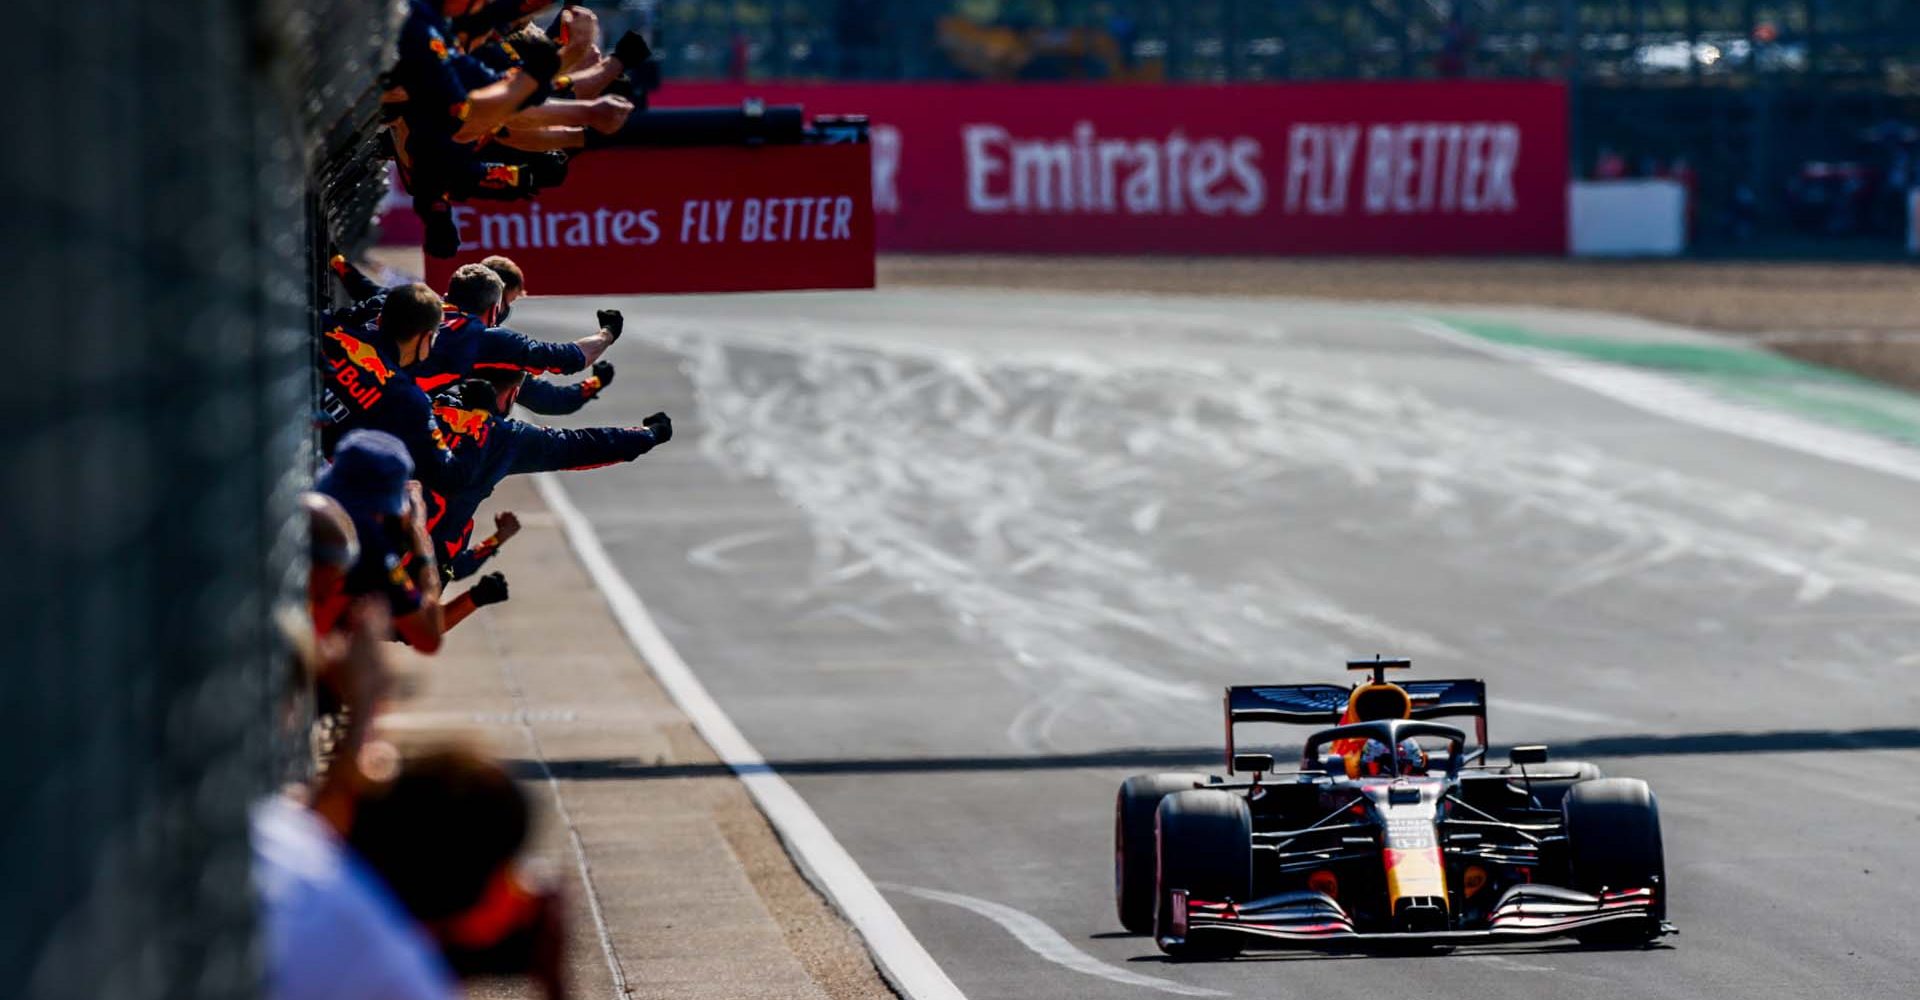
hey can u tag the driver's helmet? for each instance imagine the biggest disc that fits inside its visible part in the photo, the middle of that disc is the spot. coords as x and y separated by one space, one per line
1371 703
1374 760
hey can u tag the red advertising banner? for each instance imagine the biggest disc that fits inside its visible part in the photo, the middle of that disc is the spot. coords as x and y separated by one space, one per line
645 221
1365 168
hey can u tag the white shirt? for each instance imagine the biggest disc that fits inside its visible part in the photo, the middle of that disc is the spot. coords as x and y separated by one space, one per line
333 930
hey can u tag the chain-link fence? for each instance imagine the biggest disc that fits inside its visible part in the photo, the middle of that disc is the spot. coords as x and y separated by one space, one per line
157 233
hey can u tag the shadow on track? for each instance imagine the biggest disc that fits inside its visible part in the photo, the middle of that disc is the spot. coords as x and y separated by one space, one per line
1148 759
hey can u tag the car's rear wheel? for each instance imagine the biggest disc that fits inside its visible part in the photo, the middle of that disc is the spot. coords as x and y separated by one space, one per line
1205 846
1133 850
1613 842
1549 782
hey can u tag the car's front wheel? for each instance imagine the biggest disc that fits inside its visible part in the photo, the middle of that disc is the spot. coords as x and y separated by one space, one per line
1613 842
1205 846
1133 851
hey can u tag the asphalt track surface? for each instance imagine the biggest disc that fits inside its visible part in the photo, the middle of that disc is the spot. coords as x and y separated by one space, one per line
958 562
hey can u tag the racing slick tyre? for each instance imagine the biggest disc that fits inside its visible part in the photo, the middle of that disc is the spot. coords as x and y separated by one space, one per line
1551 780
1133 857
1613 841
1205 846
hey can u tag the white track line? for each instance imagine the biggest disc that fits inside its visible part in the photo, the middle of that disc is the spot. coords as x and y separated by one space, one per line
1047 943
825 863
1675 399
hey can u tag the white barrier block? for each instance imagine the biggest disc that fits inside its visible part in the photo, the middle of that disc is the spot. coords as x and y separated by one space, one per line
1631 218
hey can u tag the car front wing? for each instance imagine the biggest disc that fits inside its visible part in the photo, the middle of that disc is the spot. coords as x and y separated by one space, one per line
1312 919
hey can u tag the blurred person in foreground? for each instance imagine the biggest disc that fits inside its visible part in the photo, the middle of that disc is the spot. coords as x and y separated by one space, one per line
492 446
445 833
393 871
331 926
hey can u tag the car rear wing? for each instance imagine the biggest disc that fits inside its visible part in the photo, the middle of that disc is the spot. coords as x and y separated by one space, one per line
1323 704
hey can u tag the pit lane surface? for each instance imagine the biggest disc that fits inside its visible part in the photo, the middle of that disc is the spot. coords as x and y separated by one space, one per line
958 562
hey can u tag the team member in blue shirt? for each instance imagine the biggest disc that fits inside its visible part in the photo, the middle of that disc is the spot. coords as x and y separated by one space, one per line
364 382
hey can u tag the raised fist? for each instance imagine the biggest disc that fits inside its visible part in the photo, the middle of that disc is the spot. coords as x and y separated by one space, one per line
491 589
611 321
662 427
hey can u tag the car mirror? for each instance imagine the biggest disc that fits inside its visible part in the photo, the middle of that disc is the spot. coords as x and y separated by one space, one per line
1258 763
1523 756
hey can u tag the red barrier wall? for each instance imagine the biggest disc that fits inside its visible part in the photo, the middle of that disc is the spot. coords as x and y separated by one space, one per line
684 220
1373 168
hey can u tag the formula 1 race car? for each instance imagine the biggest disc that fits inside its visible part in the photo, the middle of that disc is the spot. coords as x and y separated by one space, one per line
1390 832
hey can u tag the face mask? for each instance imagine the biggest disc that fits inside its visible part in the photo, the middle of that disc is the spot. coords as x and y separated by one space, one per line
500 316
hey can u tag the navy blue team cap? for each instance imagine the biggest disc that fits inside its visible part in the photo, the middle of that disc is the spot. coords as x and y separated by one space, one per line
369 474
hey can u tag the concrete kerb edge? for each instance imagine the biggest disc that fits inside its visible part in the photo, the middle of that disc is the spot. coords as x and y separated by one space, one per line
820 858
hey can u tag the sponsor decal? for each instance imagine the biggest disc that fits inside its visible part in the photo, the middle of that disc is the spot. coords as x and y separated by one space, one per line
1410 834
686 220
361 354
464 424
358 374
1435 167
1473 880
1088 174
1414 873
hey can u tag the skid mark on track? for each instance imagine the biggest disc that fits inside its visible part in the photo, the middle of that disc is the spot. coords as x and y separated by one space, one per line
1047 943
712 555
1029 501
1043 500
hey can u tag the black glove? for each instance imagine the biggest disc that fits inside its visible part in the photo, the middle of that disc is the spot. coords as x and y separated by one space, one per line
443 237
549 169
489 589
603 370
662 427
469 394
610 321
632 50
